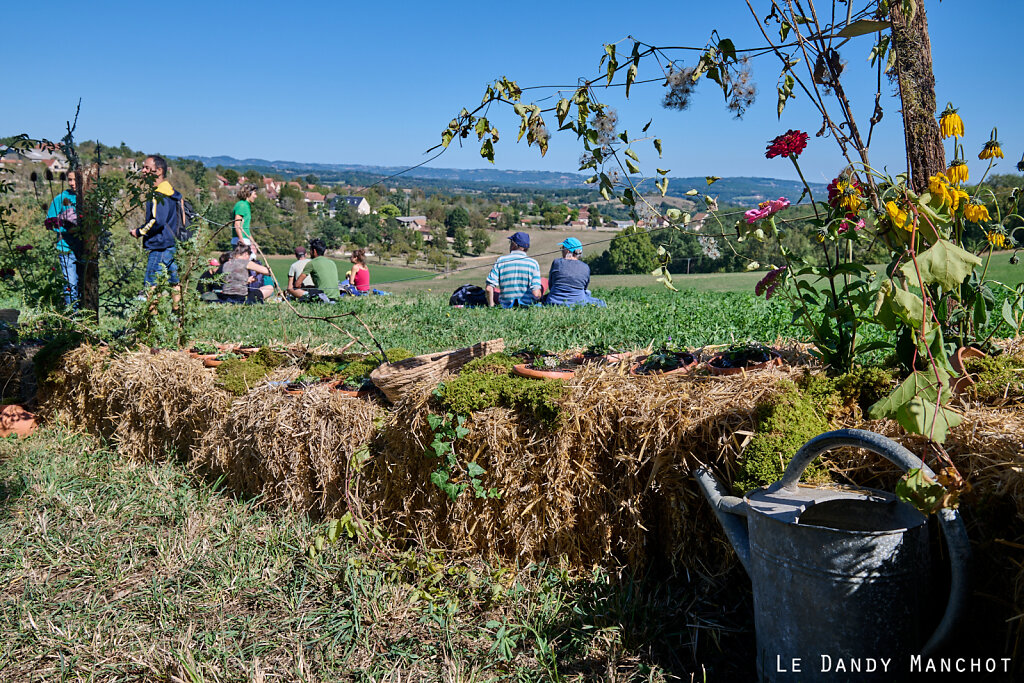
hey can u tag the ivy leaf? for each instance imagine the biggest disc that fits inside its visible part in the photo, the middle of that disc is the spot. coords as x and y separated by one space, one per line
461 432
474 470
434 421
944 264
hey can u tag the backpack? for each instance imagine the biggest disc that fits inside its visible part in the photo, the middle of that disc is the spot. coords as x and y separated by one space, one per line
186 215
468 295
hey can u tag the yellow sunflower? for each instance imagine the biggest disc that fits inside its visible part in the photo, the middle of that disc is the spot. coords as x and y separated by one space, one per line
976 213
957 172
950 123
938 185
897 215
996 239
991 150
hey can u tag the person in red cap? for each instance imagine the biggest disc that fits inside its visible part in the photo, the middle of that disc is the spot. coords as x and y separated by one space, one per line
515 275
209 280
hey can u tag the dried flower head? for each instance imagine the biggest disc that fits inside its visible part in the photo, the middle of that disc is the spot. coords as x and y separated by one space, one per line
709 247
680 84
950 123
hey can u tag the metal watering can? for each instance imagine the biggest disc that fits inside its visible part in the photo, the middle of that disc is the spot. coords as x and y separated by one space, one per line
839 575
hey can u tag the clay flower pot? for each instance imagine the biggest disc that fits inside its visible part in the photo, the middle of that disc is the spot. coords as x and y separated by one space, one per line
613 358
684 367
714 365
247 350
962 383
211 362
15 419
355 393
524 370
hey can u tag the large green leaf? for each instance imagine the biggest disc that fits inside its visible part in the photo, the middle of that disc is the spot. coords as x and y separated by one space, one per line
944 264
928 419
863 27
920 384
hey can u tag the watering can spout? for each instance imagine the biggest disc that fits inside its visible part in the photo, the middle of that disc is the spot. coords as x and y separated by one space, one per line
731 512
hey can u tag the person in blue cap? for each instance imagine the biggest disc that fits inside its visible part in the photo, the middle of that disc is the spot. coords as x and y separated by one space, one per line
515 276
570 277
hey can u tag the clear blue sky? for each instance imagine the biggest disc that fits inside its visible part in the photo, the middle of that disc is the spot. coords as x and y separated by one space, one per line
375 83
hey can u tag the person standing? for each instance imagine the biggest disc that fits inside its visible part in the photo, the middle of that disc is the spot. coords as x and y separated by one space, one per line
243 215
515 275
62 218
159 230
324 272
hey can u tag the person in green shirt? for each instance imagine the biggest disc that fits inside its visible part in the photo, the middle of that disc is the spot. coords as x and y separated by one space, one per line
243 215
324 272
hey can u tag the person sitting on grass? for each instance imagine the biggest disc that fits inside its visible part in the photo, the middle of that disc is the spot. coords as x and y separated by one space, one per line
325 275
295 277
261 284
515 275
570 277
357 280
237 277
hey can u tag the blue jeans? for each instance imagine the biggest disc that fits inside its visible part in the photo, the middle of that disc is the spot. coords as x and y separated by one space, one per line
69 267
161 259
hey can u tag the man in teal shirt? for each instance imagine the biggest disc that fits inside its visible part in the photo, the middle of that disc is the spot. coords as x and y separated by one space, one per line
243 215
324 272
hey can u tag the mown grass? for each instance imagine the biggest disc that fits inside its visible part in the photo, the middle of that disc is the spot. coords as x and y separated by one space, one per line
424 322
112 571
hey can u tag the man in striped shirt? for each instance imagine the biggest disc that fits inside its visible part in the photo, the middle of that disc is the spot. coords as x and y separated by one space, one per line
516 275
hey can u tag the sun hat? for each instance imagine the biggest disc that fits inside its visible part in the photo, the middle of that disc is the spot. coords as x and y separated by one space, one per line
520 239
572 244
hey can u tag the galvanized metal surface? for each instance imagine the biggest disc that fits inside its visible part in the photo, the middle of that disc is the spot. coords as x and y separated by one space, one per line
837 573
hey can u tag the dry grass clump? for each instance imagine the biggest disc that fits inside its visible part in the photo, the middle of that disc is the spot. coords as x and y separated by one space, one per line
75 391
291 449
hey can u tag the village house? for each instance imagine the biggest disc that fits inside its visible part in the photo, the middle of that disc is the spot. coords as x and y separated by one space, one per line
339 202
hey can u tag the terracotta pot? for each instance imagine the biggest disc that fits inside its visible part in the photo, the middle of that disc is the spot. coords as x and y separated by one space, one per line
964 381
613 358
247 350
15 419
211 362
634 369
776 360
525 370
361 393
295 392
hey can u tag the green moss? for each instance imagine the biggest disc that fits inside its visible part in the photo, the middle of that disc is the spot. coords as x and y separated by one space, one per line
997 376
324 369
473 391
268 359
48 357
784 423
865 386
239 376
491 364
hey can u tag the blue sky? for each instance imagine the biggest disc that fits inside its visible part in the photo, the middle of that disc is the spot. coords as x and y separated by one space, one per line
376 83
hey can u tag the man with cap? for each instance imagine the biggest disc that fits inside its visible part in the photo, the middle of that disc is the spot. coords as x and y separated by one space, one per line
295 279
570 277
209 281
515 275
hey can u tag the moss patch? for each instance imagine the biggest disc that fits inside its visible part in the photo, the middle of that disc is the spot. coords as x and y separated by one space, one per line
239 376
268 359
784 423
997 377
483 388
491 364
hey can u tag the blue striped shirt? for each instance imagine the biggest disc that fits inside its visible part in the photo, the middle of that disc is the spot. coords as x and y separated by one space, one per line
515 274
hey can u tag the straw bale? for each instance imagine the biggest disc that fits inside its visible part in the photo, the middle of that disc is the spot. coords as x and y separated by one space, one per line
291 449
161 404
608 486
75 391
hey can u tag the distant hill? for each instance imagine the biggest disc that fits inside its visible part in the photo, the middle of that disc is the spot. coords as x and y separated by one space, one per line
729 190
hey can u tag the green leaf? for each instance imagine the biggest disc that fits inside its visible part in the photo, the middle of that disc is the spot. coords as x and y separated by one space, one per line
662 185
711 179
562 110
474 470
863 27
785 93
461 432
662 171
646 126
691 193
657 145
434 421
944 264
633 168
630 77
632 154
728 49
916 488
920 384
1007 312
921 416
487 150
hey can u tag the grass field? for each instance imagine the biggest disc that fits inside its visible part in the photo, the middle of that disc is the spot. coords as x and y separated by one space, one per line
114 571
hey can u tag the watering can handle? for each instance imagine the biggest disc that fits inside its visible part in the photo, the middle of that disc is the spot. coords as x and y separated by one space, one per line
949 519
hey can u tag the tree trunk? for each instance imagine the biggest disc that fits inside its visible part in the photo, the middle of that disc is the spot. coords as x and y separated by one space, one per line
925 153
89 224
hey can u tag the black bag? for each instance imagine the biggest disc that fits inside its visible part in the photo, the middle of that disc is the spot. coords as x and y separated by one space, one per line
186 214
468 295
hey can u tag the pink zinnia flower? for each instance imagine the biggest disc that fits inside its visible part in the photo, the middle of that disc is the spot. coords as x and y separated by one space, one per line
765 209
769 283
851 219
